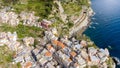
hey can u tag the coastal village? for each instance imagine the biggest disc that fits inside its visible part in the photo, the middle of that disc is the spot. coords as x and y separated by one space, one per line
51 50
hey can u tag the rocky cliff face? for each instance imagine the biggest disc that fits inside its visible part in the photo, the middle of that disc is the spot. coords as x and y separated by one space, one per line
79 17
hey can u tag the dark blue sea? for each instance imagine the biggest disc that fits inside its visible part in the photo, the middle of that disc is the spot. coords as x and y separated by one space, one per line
105 26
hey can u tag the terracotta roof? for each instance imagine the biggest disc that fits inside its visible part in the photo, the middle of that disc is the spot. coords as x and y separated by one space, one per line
61 44
49 47
76 64
58 43
28 65
88 59
48 54
83 43
69 60
55 42
73 54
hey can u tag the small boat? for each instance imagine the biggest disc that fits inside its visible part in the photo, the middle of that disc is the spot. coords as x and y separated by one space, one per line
109 47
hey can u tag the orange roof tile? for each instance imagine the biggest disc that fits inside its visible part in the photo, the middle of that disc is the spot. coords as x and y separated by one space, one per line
88 59
48 54
73 54
49 47
61 44
69 60
58 43
55 42
76 64
83 43
28 65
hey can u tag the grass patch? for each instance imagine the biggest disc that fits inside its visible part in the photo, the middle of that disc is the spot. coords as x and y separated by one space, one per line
84 2
74 7
5 54
71 8
19 65
6 57
94 66
23 31
41 8
110 62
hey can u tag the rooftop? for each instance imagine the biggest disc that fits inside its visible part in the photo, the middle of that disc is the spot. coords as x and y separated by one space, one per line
48 54
73 54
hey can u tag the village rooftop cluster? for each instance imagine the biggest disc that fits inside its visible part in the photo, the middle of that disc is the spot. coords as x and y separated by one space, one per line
28 19
50 51
54 52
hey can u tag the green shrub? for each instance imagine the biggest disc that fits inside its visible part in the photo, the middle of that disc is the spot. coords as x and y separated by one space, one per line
70 24
5 55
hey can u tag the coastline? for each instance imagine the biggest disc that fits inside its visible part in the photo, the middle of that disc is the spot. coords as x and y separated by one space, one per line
80 29
83 25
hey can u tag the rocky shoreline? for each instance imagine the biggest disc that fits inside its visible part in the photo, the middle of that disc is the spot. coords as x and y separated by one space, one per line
90 13
83 25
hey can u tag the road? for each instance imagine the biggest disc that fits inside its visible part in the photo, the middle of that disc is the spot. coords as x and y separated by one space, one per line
80 24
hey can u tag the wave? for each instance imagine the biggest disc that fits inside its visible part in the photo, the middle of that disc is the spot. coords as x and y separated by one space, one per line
96 23
93 18
92 27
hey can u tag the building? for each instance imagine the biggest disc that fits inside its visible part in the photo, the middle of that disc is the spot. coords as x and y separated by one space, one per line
50 48
94 60
92 51
45 24
83 43
28 41
28 64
